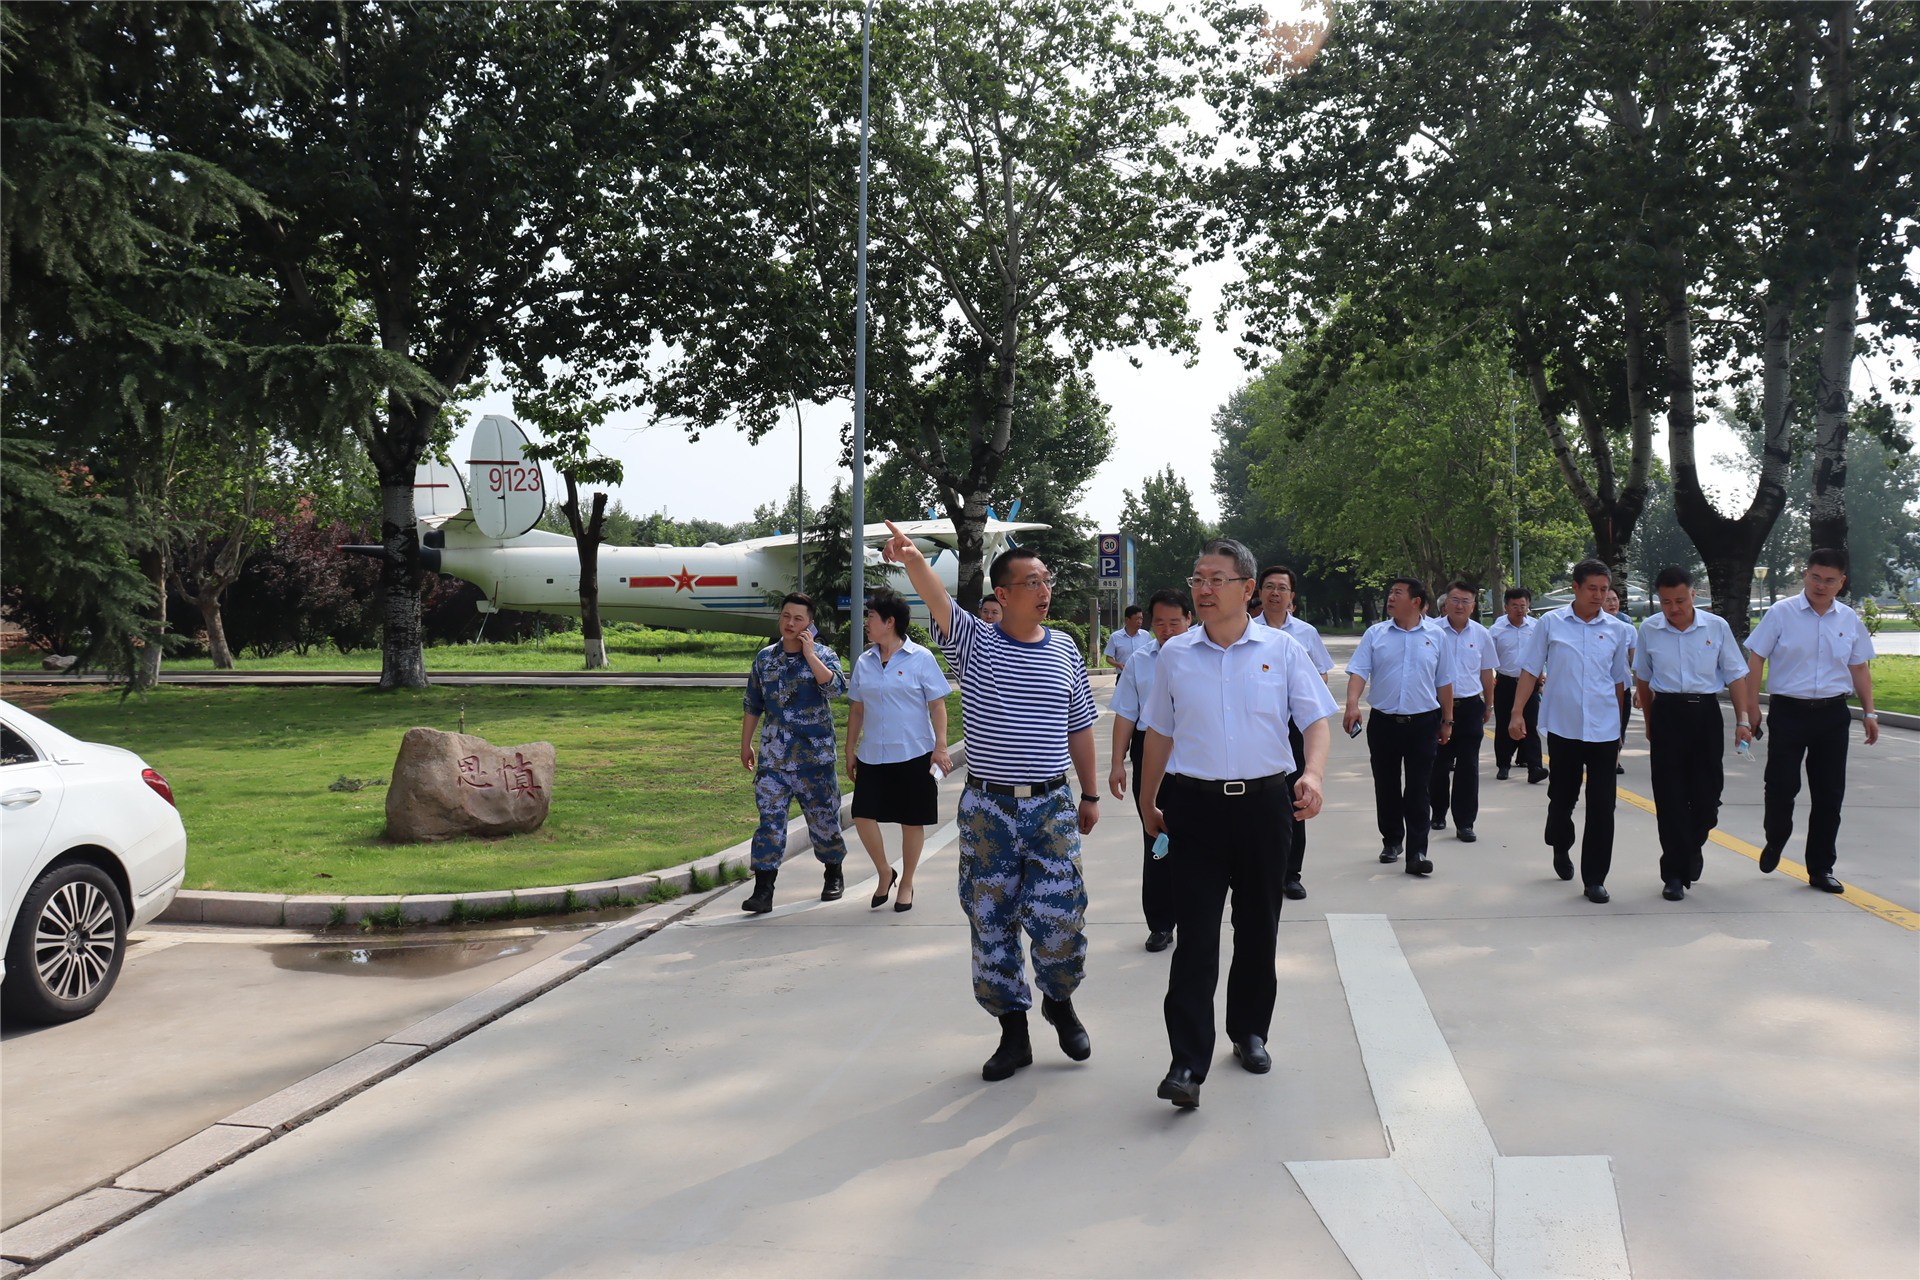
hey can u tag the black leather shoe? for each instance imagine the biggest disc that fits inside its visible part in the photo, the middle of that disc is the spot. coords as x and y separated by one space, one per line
1419 866
1159 940
1180 1088
1619 769
835 883
1500 775
1828 883
760 901
1466 835
1073 1037
1439 824
1770 858
1253 1055
1674 891
1294 889
1015 1050
1562 864
1390 854
1536 775
1598 893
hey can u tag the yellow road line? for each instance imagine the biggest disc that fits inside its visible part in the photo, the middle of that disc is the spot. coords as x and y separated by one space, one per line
1871 903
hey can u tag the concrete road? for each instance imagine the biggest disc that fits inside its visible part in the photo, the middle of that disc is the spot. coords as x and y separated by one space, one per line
800 1094
204 1021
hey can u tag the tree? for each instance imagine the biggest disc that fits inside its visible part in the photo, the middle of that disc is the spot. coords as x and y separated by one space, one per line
1168 533
215 525
1659 541
566 418
460 183
1031 194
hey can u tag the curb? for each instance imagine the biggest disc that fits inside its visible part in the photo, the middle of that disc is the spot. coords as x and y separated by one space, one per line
293 911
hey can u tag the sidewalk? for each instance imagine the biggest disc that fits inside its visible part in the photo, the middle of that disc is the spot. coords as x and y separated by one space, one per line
800 1094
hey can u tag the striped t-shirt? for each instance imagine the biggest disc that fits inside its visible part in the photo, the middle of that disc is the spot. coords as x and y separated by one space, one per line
1020 699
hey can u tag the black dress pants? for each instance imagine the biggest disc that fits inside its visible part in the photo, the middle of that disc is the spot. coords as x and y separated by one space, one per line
1816 732
1456 765
1223 845
1156 883
1686 744
1401 750
1297 851
1504 687
1567 760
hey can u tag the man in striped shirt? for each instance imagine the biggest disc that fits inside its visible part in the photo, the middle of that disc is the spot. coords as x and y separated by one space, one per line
1029 719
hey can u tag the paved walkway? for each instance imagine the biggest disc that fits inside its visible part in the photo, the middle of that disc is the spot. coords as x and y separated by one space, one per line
800 1095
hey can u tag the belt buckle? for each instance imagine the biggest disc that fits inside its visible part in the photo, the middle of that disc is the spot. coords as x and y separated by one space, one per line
1233 788
1027 790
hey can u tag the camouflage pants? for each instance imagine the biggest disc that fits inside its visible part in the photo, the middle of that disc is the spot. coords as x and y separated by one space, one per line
818 794
1020 869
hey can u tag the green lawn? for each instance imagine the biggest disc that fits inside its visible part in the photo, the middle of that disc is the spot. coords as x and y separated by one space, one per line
1896 684
647 778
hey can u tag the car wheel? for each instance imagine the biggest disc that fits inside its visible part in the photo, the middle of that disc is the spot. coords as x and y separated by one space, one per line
67 945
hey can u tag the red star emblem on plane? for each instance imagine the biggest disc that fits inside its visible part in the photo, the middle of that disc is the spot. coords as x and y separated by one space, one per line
682 581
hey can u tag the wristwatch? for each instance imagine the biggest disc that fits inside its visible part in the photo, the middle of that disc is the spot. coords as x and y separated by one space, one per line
1087 798
1869 715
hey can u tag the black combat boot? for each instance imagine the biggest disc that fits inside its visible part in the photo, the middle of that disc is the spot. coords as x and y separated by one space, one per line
1015 1049
1073 1037
835 884
760 901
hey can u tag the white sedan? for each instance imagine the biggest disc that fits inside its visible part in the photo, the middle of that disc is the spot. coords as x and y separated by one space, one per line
90 847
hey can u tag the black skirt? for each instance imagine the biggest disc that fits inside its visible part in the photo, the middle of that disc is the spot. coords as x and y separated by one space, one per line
905 793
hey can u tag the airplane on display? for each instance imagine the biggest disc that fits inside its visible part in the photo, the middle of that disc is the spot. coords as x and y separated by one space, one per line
488 539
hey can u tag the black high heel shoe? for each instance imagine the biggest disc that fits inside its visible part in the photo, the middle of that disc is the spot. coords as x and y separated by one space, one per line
903 905
880 898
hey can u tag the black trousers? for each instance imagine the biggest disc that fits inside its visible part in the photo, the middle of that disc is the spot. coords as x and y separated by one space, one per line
1626 714
1297 851
1816 732
1567 760
1504 687
1401 749
1456 765
1686 742
1221 846
1156 874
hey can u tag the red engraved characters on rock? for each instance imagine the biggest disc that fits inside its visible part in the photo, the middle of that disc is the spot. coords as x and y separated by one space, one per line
470 774
517 774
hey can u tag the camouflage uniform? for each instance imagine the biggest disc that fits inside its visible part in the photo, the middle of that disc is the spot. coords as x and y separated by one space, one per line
798 758
1022 870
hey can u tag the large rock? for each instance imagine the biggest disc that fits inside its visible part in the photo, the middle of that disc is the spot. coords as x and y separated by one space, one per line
453 784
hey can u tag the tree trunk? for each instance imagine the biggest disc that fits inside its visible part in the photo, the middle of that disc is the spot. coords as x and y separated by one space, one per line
970 527
587 541
402 665
1611 513
146 662
208 602
1827 513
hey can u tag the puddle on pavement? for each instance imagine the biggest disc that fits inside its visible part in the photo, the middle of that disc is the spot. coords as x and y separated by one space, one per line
398 960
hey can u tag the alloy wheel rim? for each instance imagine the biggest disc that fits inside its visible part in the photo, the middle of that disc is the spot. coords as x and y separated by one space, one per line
74 940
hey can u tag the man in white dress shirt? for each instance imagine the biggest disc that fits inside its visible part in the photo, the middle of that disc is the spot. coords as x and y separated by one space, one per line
1819 651
1130 639
1456 766
1412 718
1511 634
1279 602
1170 614
1683 660
1215 780
1583 654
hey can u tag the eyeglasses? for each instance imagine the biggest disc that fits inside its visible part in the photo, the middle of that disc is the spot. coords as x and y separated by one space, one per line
1274 589
1035 584
1213 584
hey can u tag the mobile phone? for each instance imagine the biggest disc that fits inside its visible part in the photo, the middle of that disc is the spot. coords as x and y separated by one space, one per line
1160 846
1355 731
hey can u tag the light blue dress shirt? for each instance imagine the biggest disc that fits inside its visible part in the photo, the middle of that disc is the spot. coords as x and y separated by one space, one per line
1227 709
1469 651
1404 668
1135 683
1121 647
1510 644
1808 653
1585 664
893 697
1705 658
1307 636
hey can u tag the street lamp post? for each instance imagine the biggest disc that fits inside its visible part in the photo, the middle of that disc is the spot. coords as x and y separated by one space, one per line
856 598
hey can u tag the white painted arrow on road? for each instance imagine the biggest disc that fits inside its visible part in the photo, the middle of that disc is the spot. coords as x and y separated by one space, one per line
1445 1202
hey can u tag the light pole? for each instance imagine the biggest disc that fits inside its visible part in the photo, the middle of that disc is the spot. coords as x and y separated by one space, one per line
856 597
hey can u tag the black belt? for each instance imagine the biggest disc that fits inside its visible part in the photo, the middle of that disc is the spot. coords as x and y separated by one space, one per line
1837 700
1405 719
1021 790
1230 786
1687 697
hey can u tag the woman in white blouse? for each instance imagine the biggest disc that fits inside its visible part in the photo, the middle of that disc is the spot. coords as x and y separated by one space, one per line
896 737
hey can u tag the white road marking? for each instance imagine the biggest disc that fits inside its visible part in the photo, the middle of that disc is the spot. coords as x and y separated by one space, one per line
1445 1202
